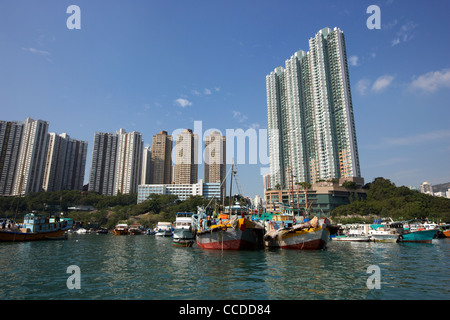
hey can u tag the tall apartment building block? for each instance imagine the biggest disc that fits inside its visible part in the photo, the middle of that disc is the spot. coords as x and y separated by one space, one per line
129 162
215 160
32 157
65 165
310 114
10 141
186 161
161 163
103 164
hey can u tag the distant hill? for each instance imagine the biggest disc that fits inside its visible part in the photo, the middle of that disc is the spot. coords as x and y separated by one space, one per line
443 187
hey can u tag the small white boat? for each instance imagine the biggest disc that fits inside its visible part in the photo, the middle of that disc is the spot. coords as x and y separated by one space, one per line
183 232
163 229
81 231
353 238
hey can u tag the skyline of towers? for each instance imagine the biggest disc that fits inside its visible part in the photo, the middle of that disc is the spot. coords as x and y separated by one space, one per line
33 160
310 114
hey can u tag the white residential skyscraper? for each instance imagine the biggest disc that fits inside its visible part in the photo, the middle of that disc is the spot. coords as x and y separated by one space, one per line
310 114
129 162
32 157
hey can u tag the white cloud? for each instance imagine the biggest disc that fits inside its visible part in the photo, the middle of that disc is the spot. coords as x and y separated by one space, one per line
239 116
183 102
432 81
207 91
405 33
362 86
353 60
382 82
36 51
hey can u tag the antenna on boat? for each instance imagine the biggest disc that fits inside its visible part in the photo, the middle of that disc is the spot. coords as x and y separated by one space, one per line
230 202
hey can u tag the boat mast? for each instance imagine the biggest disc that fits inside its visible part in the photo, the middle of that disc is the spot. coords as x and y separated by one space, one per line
231 186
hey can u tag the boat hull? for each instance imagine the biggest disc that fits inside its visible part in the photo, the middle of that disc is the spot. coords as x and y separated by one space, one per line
310 239
120 232
231 239
183 243
14 236
352 239
421 236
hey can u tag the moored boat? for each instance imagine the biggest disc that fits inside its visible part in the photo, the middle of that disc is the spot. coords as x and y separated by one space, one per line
421 236
163 229
233 234
121 229
183 232
135 229
309 235
388 232
444 231
37 227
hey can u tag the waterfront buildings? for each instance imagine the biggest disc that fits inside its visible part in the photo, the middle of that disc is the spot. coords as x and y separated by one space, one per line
215 160
320 199
186 160
310 115
182 191
65 165
161 162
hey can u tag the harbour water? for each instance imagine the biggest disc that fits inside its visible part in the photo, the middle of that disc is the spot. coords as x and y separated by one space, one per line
147 267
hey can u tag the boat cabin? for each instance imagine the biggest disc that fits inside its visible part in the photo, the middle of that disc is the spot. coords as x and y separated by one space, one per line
34 222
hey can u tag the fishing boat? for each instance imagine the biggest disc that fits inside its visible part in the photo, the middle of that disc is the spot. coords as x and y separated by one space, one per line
444 231
234 230
418 230
121 229
420 236
135 229
386 232
231 234
352 238
354 233
163 229
309 235
36 227
183 232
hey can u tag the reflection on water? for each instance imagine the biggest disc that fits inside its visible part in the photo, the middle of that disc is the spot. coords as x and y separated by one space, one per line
148 267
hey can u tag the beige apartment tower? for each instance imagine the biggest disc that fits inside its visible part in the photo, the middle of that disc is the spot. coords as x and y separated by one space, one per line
215 164
186 163
161 163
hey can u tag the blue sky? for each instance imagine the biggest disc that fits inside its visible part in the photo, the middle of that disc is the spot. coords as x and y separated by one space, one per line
149 66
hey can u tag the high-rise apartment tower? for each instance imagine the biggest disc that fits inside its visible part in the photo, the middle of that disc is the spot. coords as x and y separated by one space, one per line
161 163
186 161
310 114
215 160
